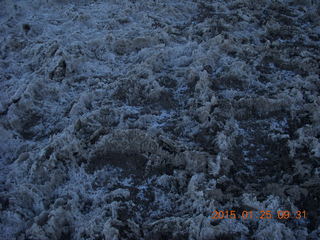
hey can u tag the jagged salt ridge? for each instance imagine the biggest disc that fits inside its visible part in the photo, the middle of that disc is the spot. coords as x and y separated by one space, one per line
137 119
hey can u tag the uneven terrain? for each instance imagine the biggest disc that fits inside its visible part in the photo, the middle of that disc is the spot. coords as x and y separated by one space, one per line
137 119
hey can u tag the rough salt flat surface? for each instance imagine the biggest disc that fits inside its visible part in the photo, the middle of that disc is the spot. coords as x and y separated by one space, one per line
136 119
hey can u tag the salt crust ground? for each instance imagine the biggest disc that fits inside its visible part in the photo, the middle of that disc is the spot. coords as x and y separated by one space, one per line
137 119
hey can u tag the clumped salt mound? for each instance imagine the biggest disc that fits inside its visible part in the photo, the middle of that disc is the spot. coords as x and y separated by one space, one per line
137 119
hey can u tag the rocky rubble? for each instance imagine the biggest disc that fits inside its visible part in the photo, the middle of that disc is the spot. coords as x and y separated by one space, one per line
138 119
